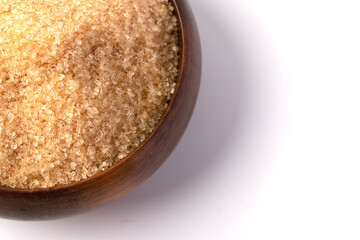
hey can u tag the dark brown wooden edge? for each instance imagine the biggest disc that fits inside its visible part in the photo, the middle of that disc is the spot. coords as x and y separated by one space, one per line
118 180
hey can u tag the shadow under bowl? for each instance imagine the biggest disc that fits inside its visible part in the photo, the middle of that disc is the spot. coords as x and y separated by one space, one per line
130 172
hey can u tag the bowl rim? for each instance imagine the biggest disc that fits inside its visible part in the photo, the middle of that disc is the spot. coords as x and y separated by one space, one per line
179 79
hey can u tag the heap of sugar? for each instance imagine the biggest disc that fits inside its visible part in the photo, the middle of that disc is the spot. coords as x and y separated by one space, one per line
82 84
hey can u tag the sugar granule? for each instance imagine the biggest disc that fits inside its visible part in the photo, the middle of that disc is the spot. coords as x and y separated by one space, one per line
82 84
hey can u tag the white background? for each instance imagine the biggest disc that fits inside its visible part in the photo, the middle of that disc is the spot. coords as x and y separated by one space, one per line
273 148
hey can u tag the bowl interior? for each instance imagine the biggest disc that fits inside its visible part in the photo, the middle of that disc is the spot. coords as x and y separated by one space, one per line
180 32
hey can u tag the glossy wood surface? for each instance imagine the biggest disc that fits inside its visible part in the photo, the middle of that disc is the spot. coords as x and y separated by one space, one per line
126 175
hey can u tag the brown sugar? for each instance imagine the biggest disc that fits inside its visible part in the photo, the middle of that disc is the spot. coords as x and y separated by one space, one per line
82 84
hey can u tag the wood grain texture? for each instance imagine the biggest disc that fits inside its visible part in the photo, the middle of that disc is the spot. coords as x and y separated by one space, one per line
133 170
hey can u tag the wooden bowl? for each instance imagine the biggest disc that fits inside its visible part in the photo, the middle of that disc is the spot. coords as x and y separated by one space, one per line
118 180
